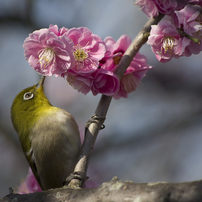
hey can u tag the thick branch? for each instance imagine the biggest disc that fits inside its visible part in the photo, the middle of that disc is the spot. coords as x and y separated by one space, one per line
116 190
103 105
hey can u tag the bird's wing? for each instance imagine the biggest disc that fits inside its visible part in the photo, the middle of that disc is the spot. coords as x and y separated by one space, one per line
29 154
30 158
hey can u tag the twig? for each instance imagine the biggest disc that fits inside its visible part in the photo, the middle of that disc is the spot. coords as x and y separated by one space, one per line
103 105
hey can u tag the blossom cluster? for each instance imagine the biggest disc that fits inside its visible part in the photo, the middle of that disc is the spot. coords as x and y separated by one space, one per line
179 33
152 8
85 60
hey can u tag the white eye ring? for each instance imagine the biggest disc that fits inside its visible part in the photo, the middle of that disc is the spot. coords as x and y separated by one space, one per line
28 96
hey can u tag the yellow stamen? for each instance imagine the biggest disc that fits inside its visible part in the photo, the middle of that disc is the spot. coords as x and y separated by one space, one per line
80 54
168 44
46 56
117 59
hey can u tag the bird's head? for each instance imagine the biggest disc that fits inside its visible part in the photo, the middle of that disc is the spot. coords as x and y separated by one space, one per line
28 105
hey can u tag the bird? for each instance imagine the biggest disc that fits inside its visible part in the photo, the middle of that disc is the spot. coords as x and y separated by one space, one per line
49 136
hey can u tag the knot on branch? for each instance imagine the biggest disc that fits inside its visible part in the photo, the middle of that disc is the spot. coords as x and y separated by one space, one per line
76 180
95 119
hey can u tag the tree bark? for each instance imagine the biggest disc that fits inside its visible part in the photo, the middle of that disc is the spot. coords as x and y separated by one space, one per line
117 190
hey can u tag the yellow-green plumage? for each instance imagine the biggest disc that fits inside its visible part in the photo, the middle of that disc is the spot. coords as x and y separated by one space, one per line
49 136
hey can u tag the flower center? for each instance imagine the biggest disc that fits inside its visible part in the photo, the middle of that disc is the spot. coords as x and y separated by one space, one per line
80 53
46 56
168 44
117 59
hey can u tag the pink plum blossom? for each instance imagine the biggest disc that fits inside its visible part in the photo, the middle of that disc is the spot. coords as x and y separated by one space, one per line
86 76
190 22
173 36
153 7
60 32
79 82
167 7
116 50
188 19
163 40
48 53
101 81
30 185
134 73
130 82
89 49
148 7
105 82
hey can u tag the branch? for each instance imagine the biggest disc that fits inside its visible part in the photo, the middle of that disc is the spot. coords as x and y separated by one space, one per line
103 105
116 190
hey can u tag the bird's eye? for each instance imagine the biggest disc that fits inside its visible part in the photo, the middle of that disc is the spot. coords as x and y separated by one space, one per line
28 96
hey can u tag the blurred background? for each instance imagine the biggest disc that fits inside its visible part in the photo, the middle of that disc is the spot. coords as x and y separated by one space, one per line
153 135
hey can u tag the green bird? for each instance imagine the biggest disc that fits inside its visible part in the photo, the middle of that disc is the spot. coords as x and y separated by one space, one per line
49 136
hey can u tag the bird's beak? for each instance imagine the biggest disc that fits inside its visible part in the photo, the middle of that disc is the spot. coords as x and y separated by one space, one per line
41 81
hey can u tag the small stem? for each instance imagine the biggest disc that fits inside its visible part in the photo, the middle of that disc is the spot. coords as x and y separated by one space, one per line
103 105
184 34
